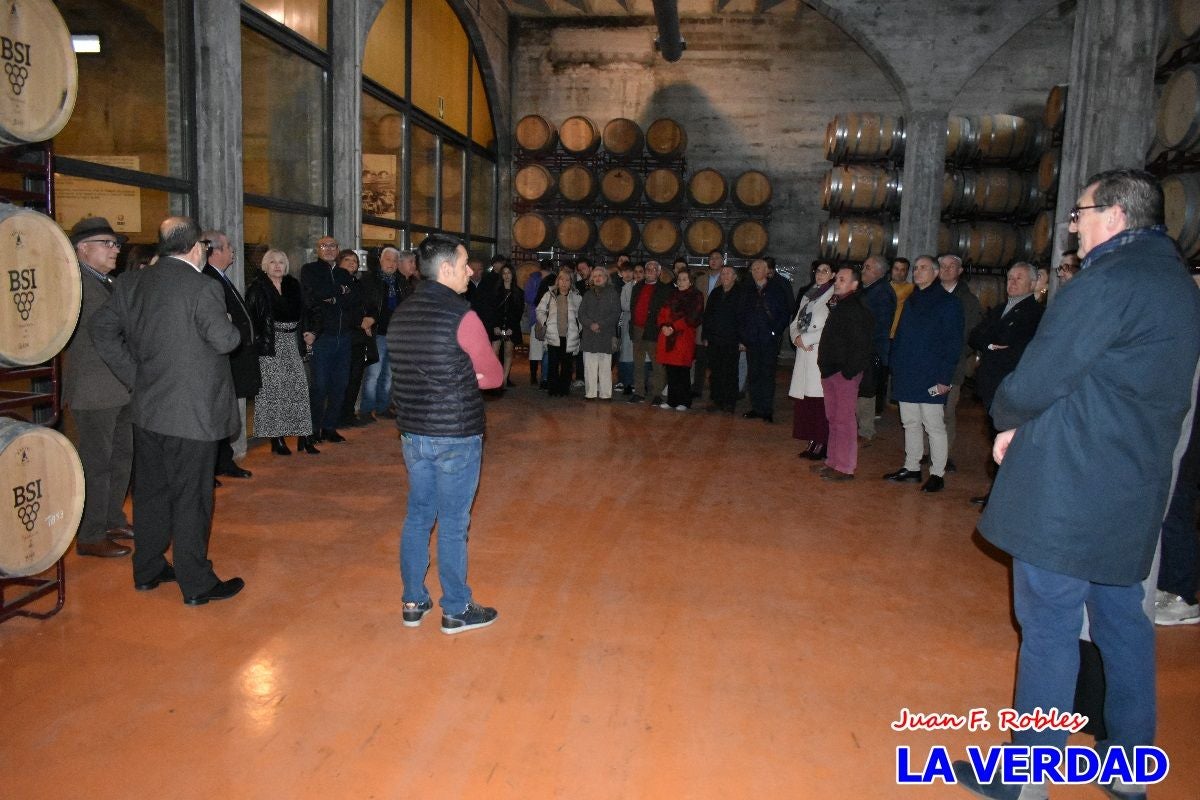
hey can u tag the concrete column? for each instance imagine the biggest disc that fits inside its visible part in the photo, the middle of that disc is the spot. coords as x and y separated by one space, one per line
924 167
1110 104
348 40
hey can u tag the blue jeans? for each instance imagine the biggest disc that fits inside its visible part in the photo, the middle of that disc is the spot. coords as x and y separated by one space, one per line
443 474
1049 607
377 382
330 374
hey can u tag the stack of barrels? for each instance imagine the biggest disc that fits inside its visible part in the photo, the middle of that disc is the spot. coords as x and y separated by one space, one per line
40 470
1175 155
992 192
583 190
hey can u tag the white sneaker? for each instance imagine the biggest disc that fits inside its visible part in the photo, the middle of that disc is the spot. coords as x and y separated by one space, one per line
664 405
1170 609
681 408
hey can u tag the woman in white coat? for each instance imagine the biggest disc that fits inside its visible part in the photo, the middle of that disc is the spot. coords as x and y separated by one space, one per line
808 418
559 312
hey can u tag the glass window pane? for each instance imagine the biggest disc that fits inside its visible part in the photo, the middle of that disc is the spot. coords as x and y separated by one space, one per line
482 130
283 122
423 185
383 60
309 18
294 234
126 104
483 196
439 63
382 159
452 188
131 210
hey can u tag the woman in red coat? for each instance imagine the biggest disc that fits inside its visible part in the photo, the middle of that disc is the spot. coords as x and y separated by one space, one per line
677 322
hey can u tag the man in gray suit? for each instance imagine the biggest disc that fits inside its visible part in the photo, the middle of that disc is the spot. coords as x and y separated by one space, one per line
165 334
98 402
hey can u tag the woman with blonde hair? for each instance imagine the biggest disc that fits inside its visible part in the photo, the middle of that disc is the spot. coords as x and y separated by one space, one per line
281 329
559 312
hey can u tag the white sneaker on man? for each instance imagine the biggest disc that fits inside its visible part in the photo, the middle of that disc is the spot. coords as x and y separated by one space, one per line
1170 609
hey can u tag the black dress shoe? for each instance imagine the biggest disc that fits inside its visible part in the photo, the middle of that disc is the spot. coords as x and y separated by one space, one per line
305 443
222 591
752 415
235 472
903 475
166 575
123 532
330 435
935 484
279 447
105 548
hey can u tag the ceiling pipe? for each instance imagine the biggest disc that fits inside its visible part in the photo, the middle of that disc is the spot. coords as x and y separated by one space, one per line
670 41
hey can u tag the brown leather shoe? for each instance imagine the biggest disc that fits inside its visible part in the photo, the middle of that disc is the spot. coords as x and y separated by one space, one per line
123 532
102 549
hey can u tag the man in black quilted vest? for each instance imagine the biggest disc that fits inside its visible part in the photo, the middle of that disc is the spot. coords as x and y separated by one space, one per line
441 358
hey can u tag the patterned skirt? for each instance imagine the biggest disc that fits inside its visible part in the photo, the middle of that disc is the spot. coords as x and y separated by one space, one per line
281 407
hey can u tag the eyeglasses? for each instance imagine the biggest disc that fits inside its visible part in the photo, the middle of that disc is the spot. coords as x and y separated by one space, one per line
1074 213
328 245
111 243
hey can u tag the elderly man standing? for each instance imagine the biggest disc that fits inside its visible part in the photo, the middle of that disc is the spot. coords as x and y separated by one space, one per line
762 318
445 360
951 278
166 335
925 354
244 359
1104 413
880 299
97 401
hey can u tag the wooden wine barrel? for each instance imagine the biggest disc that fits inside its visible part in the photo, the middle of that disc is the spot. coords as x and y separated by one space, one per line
707 187
703 235
660 236
749 238
752 190
663 188
1181 211
577 184
665 138
1055 111
1003 192
860 187
532 231
41 307
855 238
533 183
961 139
1178 118
989 289
947 241
623 138
958 190
621 186
578 136
536 134
1042 237
1047 172
991 244
44 481
1007 139
576 233
618 234
524 270
864 136
40 95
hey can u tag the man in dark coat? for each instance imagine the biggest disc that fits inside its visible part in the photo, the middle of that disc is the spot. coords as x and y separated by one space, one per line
1003 335
843 358
243 361
880 299
1092 421
762 318
721 340
166 336
327 296
98 403
924 357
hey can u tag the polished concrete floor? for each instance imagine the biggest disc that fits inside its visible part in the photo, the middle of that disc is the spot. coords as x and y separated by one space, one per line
685 612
